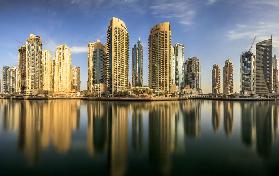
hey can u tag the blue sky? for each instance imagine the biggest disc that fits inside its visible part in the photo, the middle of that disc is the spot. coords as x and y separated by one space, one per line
212 30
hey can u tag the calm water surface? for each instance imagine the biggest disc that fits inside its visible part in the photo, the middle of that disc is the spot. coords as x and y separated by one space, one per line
73 137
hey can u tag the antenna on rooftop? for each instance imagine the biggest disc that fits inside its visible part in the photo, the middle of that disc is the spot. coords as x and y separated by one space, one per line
252 43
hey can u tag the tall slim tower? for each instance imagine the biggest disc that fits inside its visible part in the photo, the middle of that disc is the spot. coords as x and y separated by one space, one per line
264 68
179 60
5 80
275 75
96 65
137 64
159 51
216 79
62 69
76 79
47 70
118 56
248 73
228 77
13 80
22 68
33 65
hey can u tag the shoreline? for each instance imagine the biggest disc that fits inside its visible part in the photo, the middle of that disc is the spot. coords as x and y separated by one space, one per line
139 99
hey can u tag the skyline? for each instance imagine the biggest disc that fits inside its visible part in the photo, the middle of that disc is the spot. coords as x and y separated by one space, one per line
193 28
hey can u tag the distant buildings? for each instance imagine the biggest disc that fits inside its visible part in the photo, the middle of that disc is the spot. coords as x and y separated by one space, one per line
275 74
62 69
76 79
97 66
13 80
228 77
178 64
264 67
216 79
192 73
137 65
247 73
118 56
159 50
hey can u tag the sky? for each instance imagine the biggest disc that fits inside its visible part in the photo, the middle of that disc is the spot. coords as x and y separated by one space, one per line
212 30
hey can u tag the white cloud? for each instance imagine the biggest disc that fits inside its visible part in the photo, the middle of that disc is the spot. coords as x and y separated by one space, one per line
184 11
79 49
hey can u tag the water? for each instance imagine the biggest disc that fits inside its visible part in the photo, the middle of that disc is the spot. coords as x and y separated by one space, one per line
73 137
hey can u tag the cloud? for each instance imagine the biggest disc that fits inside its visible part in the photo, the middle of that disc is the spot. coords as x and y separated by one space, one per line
184 11
210 2
79 49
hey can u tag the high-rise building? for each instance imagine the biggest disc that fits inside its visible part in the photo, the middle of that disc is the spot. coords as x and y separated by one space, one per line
159 50
275 74
216 79
96 65
228 77
118 56
47 69
192 73
179 60
62 69
137 64
172 69
247 73
30 65
5 80
13 85
264 68
76 79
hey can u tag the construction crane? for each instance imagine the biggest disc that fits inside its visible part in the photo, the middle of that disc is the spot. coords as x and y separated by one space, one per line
252 43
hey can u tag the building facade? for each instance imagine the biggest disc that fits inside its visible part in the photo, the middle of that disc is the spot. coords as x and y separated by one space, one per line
5 80
137 65
118 56
275 74
264 67
47 69
30 65
62 69
178 64
216 79
192 73
76 79
13 84
159 50
247 73
97 62
228 77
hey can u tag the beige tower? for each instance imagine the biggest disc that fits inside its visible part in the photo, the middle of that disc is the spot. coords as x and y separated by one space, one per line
228 77
76 79
30 65
62 69
118 56
160 57
216 79
47 69
96 65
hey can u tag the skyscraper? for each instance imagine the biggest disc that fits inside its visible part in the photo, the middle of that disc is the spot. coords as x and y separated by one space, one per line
137 64
62 69
76 79
275 74
118 56
97 61
179 60
159 50
13 85
30 65
247 73
216 79
5 80
47 69
264 68
192 73
228 77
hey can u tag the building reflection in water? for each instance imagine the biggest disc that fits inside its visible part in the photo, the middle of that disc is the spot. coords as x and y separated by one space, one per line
228 117
192 118
40 124
216 117
137 129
